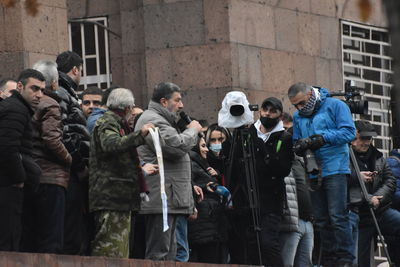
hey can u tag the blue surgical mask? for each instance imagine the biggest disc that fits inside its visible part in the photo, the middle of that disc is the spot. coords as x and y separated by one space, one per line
216 147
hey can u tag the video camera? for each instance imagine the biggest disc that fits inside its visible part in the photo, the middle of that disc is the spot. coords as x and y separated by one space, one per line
350 92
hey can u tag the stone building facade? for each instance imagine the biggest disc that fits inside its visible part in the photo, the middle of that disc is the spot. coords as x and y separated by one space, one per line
208 47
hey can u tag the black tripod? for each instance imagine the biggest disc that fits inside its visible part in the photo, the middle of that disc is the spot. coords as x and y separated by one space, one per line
366 198
242 146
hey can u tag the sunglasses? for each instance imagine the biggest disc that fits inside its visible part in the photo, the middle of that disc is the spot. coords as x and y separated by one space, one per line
88 102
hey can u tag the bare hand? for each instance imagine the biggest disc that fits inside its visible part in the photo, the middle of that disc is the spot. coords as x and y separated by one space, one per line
212 172
199 193
195 125
145 129
150 169
193 216
367 176
375 200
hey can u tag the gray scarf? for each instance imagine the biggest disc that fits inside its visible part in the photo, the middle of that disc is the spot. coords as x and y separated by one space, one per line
311 104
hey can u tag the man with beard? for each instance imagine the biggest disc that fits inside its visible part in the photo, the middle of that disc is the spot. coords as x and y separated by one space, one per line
324 125
162 112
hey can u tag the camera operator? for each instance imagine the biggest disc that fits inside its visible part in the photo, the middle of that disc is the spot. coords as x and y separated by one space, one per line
324 125
380 185
273 165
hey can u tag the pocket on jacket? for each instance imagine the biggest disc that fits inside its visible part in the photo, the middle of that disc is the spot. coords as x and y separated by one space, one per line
181 192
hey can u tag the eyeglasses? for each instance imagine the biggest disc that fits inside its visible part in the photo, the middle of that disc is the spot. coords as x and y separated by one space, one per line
93 102
366 138
301 103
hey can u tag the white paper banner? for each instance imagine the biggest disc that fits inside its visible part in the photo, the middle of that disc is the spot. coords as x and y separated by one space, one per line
156 141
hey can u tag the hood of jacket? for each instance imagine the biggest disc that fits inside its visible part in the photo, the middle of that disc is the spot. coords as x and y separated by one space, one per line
168 115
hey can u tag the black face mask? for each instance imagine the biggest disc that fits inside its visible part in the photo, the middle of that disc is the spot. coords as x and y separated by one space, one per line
269 123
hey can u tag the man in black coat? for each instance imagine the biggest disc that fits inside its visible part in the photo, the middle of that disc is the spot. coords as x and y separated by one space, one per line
380 184
76 139
17 168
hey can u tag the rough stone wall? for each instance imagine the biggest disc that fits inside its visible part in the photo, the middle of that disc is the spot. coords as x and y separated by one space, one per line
26 39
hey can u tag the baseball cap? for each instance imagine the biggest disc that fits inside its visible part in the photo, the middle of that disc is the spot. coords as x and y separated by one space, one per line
365 128
273 102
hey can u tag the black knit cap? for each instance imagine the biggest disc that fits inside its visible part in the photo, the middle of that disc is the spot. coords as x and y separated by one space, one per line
273 102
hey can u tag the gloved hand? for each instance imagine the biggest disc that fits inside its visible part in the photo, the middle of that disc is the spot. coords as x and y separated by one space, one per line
301 146
317 141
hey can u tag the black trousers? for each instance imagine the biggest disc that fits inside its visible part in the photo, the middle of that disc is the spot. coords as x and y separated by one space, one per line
43 219
11 199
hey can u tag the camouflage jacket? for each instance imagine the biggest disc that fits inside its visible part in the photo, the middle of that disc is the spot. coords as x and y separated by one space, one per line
113 166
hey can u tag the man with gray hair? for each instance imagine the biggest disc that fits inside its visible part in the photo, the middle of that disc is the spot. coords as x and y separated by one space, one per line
44 208
323 126
113 175
163 107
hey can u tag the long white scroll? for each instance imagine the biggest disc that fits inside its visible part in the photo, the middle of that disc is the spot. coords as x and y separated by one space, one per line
155 135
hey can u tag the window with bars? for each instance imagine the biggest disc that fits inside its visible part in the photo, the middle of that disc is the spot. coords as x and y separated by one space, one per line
365 61
89 38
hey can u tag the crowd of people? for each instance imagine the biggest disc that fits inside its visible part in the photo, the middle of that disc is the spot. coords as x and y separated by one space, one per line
86 175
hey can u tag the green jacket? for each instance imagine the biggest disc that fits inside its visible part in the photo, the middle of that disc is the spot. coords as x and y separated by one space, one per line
113 166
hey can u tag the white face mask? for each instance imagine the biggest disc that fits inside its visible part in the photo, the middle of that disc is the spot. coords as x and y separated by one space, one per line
216 147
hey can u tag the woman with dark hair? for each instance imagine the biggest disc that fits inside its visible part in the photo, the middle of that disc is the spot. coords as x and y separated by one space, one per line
207 234
215 136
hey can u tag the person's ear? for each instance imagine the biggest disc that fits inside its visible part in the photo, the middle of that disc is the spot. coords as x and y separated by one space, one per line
20 87
163 102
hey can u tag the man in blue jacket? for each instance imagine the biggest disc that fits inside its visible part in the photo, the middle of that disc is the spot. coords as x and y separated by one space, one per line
325 126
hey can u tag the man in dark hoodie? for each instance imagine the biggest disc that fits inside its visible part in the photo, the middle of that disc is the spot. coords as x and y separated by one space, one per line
17 168
76 138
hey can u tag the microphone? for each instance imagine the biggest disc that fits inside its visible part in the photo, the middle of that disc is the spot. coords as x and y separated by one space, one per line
185 117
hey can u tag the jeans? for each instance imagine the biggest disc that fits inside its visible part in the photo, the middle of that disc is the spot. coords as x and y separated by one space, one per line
389 223
354 220
332 218
296 247
182 246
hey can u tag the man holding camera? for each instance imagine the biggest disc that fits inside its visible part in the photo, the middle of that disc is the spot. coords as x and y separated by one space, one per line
380 185
323 127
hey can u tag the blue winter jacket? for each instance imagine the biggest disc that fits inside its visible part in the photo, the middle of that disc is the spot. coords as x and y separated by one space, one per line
91 121
334 122
394 163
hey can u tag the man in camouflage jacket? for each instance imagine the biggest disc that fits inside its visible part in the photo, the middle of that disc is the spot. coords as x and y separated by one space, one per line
113 176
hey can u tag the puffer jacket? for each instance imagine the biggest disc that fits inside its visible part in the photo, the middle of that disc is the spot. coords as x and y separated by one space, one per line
394 163
384 184
210 225
114 165
290 222
175 147
76 137
332 119
48 150
16 163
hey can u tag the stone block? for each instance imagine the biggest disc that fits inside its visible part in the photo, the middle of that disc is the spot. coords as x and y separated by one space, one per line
246 67
286 30
322 72
12 63
115 41
216 18
76 8
324 8
336 72
13 33
134 75
202 66
129 5
40 32
132 31
304 69
309 34
277 70
329 37
174 25
54 3
159 67
31 58
117 70
251 23
62 30
298 5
